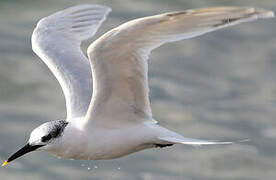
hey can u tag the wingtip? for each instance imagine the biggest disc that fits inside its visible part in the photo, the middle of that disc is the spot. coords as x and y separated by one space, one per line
270 14
263 13
94 5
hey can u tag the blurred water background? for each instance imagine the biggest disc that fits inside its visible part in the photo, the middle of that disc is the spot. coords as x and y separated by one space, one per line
218 86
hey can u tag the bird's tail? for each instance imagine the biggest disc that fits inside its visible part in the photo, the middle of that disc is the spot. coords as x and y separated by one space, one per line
166 136
196 142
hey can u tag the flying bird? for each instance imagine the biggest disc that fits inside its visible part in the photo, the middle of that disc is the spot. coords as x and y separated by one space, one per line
107 101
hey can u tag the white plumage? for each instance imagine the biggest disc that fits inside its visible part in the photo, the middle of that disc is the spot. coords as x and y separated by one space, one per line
57 39
115 119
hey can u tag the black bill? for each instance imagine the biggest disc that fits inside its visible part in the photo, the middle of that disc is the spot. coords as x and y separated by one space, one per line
26 149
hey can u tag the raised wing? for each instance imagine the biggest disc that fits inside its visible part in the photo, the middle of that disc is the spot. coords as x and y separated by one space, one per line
57 39
119 58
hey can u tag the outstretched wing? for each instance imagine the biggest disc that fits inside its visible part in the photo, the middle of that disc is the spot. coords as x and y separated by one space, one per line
119 58
57 39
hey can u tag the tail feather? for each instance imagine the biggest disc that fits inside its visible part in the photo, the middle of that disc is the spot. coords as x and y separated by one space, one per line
198 142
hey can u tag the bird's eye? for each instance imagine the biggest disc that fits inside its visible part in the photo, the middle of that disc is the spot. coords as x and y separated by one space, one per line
46 138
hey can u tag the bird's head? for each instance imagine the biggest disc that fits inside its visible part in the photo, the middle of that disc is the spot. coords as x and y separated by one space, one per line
41 138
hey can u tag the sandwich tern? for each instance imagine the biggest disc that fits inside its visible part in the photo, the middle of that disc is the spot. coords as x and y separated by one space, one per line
116 119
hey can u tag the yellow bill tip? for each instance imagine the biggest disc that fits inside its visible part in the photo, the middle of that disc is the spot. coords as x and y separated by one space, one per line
5 163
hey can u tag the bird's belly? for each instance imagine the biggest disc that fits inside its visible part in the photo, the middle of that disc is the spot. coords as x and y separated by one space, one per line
107 144
116 151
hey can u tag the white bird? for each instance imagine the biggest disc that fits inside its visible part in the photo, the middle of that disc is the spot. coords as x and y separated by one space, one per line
116 119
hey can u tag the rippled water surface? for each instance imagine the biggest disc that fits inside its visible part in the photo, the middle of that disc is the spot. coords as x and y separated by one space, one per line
218 86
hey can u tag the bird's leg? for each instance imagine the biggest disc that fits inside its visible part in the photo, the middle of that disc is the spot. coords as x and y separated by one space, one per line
162 145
